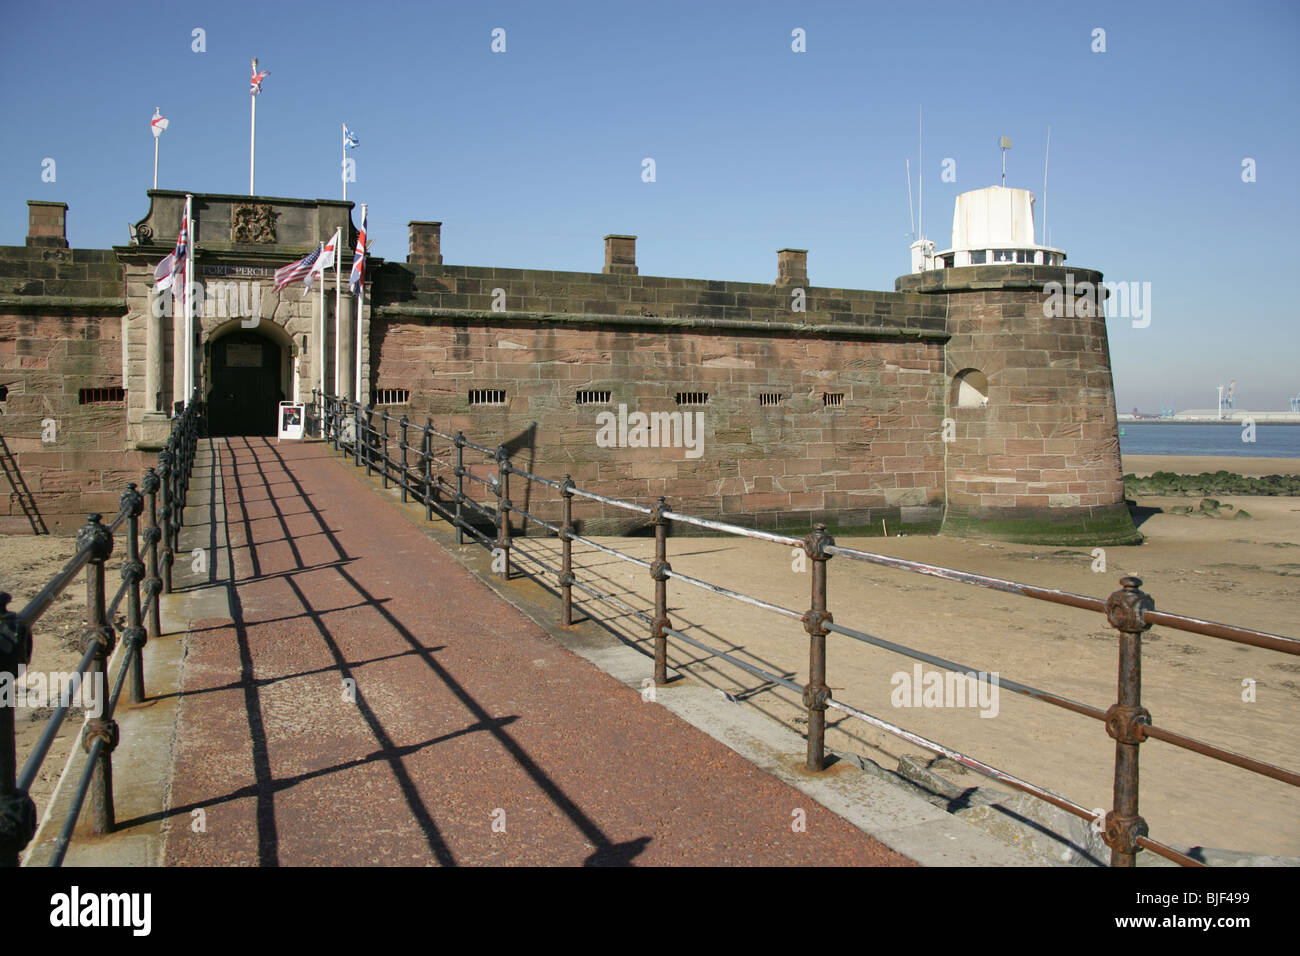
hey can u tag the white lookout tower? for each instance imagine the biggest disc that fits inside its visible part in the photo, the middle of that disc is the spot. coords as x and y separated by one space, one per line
990 226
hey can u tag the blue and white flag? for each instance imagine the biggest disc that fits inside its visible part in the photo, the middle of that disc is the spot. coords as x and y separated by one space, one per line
349 138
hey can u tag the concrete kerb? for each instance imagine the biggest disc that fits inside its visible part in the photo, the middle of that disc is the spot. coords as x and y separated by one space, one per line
882 804
143 760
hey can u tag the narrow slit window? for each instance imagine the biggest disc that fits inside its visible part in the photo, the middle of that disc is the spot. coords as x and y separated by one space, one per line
487 396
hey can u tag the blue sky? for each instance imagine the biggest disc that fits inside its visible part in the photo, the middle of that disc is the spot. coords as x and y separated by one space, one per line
530 156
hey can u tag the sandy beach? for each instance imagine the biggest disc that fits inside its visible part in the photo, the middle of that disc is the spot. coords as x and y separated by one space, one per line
1142 465
1244 572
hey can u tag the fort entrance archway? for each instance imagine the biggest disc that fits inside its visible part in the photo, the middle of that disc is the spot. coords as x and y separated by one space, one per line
249 375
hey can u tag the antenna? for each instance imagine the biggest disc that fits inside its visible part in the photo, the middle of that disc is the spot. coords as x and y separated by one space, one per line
1046 156
920 175
911 213
1006 145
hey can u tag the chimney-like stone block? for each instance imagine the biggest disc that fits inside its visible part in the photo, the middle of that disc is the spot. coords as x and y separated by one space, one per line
620 255
47 224
792 267
426 243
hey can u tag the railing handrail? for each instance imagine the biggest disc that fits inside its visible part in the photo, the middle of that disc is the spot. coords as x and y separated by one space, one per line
1129 611
94 546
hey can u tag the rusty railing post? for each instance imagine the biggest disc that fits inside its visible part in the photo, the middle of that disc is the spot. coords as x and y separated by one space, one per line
1125 721
815 692
356 437
134 636
403 423
383 458
426 451
370 412
17 811
152 533
503 509
168 555
659 569
460 486
566 569
95 537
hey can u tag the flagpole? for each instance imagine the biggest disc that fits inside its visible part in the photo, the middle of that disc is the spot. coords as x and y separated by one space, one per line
338 311
361 294
252 133
322 334
189 278
343 165
155 156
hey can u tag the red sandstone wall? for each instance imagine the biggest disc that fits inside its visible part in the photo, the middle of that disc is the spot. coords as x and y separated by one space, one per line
1047 438
45 359
789 464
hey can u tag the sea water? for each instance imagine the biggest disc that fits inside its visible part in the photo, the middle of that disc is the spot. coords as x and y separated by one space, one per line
1166 438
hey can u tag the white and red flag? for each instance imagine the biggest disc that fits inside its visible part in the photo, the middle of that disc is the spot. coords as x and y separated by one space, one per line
174 265
326 258
297 270
158 123
255 85
357 278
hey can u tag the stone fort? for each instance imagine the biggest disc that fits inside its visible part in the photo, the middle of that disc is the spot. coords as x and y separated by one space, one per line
952 403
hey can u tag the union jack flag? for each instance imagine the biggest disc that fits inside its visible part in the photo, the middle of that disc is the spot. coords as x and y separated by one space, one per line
174 265
358 277
255 86
296 270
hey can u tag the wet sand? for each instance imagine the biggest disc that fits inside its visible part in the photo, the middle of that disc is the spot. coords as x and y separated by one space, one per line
1142 465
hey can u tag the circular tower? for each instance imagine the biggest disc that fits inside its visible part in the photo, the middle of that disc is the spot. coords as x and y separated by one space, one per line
1030 435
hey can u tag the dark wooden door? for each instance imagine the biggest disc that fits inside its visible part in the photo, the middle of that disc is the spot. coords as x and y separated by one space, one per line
245 385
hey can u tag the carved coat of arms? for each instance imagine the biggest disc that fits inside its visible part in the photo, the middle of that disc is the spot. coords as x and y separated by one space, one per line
252 222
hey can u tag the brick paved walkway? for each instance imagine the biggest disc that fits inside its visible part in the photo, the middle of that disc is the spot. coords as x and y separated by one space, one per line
473 738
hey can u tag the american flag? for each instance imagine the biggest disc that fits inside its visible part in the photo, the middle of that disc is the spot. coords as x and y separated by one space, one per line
358 277
174 265
255 86
297 270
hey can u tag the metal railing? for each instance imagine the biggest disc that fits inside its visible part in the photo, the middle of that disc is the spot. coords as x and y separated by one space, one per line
99 737
1129 610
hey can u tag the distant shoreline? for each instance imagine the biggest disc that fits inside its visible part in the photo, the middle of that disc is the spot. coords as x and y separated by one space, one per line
1229 422
1142 465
